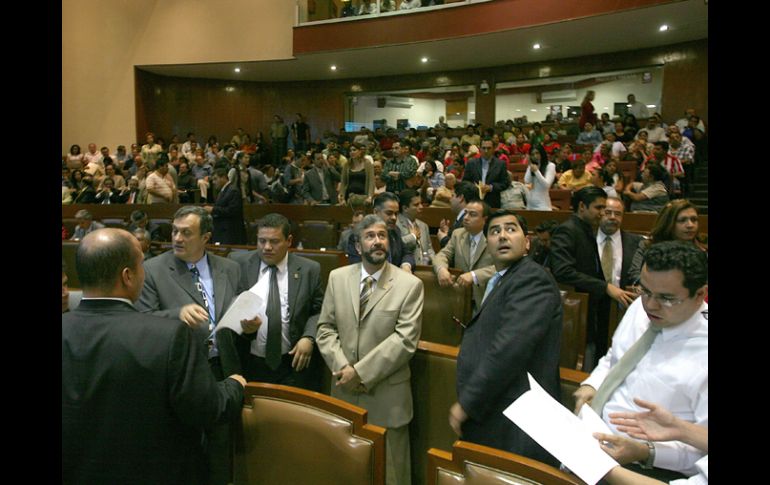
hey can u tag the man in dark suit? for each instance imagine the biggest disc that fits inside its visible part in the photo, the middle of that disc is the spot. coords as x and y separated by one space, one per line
108 194
136 389
227 211
87 194
489 173
575 262
196 287
516 331
464 192
319 185
386 206
298 282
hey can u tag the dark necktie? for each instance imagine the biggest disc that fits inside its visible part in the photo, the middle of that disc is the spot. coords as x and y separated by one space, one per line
273 346
199 286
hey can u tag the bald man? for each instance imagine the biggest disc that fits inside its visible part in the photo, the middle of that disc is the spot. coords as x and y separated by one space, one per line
137 390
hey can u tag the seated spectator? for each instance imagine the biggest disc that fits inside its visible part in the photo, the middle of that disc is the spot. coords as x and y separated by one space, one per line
677 221
550 146
434 178
599 158
650 194
160 186
107 194
87 192
610 179
409 4
131 193
186 184
631 126
120 156
116 176
140 220
347 233
75 159
620 133
143 236
671 164
589 136
515 196
202 171
85 225
450 181
576 178
655 132
521 147
617 148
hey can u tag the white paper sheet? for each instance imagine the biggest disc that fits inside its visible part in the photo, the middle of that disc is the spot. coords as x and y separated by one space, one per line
245 307
560 432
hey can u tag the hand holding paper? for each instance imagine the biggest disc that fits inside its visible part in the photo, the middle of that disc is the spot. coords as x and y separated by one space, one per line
245 315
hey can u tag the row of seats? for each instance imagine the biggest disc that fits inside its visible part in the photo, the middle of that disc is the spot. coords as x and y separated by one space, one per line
347 450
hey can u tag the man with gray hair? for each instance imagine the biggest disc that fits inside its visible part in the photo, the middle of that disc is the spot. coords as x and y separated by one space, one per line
368 345
136 389
86 225
196 287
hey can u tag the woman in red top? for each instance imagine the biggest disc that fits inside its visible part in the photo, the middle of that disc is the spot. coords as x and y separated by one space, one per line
587 114
550 146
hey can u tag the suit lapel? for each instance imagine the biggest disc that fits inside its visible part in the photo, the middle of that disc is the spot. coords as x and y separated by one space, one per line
253 269
181 274
381 289
295 280
354 287
482 245
220 285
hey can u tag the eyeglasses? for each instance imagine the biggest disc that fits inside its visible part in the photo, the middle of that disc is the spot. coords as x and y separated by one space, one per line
665 301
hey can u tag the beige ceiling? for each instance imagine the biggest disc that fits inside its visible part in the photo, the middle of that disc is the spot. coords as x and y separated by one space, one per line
628 30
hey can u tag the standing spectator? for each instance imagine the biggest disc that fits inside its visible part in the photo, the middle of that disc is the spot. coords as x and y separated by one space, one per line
151 151
636 108
279 134
300 134
540 174
75 159
189 146
120 156
320 182
160 186
397 170
587 114
202 171
488 173
186 184
227 211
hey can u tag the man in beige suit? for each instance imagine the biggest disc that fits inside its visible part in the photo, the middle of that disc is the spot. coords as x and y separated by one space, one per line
368 331
467 251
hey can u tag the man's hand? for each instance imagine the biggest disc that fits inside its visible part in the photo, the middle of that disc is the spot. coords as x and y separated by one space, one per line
583 395
251 326
394 174
623 297
657 424
621 449
445 278
302 353
415 230
406 267
457 416
465 280
347 378
193 315
238 378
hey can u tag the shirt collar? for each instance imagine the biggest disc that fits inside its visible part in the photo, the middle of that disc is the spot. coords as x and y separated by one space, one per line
200 264
282 265
124 300
695 326
376 275
602 236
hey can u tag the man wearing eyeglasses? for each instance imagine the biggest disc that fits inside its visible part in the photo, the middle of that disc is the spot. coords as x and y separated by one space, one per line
659 353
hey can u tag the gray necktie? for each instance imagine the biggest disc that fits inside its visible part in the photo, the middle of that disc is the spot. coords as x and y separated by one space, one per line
607 260
474 244
625 365
324 192
273 311
366 292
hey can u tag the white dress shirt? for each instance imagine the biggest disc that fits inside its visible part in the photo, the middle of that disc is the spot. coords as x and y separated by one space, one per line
262 289
673 374
702 478
617 254
364 274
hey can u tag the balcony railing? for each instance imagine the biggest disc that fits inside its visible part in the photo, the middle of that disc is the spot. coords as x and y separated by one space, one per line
310 12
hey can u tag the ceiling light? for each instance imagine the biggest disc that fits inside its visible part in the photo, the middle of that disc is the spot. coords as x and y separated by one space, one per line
518 110
605 108
663 28
237 69
458 114
333 67
650 105
424 60
534 110
536 46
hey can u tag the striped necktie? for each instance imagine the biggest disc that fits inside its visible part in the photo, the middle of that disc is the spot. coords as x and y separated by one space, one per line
366 292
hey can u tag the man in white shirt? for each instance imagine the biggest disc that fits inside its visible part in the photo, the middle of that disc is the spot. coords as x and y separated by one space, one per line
682 122
636 108
160 185
659 353
654 131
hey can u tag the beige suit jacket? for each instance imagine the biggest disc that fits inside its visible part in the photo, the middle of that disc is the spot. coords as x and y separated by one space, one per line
457 254
381 346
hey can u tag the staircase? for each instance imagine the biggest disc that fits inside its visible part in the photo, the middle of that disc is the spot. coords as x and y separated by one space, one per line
700 190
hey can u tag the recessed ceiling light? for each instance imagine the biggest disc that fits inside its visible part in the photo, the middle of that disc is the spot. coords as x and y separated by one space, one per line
534 110
518 110
458 114
605 108
650 105
536 46
424 60
663 28
237 69
333 67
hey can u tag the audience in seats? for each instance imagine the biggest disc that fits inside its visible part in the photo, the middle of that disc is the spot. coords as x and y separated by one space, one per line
85 225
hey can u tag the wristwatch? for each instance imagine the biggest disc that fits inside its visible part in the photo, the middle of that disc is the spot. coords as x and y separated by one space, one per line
647 464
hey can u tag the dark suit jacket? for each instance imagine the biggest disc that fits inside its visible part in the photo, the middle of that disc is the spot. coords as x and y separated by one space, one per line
115 198
137 392
311 187
305 299
228 217
630 243
85 196
168 286
457 225
497 177
517 330
398 253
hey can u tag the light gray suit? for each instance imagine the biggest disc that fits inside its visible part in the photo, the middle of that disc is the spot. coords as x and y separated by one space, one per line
422 249
379 348
457 254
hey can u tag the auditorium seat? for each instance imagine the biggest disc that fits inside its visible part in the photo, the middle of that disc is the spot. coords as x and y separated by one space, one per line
115 222
293 436
74 298
68 250
163 228
442 306
472 464
561 199
573 337
69 223
329 260
316 235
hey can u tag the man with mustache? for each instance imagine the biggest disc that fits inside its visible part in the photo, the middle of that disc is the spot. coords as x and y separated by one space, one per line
368 331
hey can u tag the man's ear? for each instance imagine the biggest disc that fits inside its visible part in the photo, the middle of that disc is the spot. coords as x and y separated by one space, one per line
358 248
290 240
206 237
